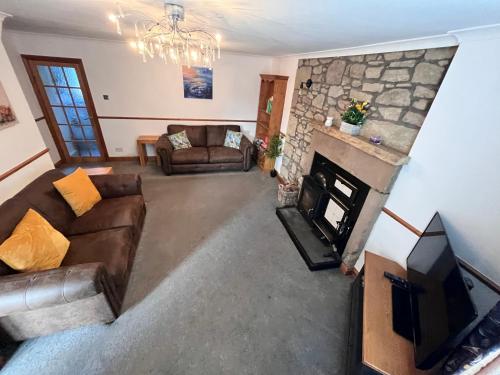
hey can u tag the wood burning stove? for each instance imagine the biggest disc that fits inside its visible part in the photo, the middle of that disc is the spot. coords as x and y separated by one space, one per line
329 205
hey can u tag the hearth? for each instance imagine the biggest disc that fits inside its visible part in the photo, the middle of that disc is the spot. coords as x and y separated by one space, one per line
329 204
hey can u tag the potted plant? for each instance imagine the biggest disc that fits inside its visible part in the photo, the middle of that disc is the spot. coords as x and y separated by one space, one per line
353 117
273 151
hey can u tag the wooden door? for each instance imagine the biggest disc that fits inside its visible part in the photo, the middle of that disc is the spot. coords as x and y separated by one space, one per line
64 96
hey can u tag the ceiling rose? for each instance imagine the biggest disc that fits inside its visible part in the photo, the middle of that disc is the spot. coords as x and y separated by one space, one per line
165 38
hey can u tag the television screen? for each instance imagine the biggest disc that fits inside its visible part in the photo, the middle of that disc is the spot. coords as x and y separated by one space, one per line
441 301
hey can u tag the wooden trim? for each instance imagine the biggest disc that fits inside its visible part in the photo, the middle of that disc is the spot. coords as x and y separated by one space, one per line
68 60
40 118
407 225
11 171
130 158
481 276
57 164
168 119
123 158
30 63
92 110
273 77
40 96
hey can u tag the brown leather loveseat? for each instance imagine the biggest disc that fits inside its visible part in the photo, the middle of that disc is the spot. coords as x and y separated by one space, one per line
90 284
207 152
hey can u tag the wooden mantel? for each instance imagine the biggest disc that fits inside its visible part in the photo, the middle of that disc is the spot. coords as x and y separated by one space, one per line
385 154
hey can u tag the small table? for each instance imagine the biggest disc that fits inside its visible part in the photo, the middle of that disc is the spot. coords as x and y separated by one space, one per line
142 141
99 170
90 171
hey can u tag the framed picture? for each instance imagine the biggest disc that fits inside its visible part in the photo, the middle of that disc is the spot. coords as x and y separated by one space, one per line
7 116
198 82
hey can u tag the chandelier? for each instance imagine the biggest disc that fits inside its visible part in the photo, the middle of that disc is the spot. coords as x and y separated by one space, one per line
165 38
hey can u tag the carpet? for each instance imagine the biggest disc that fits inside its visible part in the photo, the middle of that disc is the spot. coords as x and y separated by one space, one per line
217 287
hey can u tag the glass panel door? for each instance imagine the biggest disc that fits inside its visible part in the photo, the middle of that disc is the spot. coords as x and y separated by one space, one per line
67 104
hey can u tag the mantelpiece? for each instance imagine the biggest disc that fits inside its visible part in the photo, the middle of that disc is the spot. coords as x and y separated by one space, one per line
385 154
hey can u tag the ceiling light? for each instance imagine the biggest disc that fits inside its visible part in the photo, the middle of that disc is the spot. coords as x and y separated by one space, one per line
166 39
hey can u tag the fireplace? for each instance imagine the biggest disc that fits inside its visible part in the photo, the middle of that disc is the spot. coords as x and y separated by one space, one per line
330 201
347 183
329 204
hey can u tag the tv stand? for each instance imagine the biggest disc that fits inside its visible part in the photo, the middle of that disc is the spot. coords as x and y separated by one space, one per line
378 348
373 346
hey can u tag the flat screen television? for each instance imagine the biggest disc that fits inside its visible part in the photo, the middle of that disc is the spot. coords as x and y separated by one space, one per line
440 300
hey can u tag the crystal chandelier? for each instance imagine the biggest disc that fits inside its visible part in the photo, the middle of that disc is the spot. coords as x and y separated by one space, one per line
166 39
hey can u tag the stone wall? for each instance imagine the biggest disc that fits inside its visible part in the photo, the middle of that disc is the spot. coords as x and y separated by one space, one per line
400 86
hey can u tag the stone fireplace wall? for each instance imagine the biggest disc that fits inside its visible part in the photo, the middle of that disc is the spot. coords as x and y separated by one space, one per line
400 86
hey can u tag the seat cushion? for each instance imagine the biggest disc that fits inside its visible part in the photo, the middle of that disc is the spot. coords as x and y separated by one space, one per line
224 155
78 190
110 213
111 247
193 155
216 134
197 135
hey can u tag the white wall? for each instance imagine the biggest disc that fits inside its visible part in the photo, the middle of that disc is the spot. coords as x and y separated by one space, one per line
21 141
153 89
454 166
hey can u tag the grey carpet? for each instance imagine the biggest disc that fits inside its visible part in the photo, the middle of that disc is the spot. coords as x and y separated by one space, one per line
217 288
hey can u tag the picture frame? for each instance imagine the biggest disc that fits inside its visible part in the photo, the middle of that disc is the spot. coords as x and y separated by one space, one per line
7 115
197 82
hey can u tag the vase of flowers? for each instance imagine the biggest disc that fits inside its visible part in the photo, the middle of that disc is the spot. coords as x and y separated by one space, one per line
354 117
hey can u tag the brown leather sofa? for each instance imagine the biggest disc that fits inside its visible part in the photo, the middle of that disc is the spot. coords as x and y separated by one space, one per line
208 152
90 284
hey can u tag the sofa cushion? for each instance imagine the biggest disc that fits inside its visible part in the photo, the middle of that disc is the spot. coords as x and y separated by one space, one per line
193 155
78 190
34 245
197 135
179 140
224 155
110 213
233 139
216 134
111 247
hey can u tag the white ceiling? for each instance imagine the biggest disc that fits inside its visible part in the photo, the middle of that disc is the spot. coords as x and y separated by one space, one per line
268 27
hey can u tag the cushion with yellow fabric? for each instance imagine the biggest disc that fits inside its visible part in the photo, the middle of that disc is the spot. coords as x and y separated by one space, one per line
78 190
34 245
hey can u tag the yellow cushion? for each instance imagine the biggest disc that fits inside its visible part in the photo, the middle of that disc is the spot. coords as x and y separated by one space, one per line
79 191
34 245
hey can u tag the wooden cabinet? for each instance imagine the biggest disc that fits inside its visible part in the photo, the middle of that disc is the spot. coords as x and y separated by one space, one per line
269 124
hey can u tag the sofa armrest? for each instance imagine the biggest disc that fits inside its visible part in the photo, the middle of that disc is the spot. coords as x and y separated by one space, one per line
164 150
34 290
247 149
117 185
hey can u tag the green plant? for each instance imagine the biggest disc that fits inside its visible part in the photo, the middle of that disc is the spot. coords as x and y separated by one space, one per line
355 113
274 147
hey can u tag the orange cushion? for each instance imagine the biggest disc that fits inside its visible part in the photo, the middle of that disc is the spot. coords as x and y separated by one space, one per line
34 245
78 190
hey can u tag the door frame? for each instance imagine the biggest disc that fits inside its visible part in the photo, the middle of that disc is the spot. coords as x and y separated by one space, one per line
48 114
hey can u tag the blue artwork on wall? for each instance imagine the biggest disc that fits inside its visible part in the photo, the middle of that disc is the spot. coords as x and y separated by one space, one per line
198 82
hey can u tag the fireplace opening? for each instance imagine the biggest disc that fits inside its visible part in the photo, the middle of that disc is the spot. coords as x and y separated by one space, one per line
329 204
331 200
